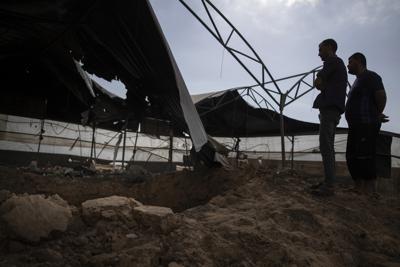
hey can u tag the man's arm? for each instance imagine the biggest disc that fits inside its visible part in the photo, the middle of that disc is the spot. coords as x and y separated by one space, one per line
328 68
380 94
380 100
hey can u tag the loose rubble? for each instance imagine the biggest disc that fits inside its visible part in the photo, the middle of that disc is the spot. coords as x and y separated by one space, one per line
248 217
32 217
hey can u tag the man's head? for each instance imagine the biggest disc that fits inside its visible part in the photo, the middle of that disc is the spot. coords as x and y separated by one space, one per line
357 63
327 48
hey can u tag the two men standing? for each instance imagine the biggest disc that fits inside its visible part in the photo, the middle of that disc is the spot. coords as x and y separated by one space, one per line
363 111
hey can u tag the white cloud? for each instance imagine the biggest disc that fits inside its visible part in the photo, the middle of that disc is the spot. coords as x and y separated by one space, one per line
279 15
269 3
368 12
290 3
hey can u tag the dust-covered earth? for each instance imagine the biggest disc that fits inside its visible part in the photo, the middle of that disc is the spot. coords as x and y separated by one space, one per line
245 217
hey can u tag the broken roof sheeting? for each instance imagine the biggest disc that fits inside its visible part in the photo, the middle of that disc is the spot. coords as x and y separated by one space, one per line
119 38
227 114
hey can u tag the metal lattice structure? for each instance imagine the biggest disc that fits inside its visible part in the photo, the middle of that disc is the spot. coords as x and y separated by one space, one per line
263 78
267 90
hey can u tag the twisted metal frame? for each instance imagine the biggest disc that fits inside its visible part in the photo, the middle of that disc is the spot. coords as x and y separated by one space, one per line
276 97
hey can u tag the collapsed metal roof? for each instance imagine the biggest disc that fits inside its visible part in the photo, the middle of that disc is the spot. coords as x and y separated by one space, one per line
122 39
227 114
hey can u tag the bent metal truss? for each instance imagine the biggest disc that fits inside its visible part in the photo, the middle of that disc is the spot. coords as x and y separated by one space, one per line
266 92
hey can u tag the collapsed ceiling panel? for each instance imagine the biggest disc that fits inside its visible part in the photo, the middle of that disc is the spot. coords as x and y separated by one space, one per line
121 39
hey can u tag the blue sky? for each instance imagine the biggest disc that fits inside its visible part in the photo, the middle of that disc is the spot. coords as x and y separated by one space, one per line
286 34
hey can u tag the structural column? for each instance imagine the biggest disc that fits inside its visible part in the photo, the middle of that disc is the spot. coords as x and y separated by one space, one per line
282 126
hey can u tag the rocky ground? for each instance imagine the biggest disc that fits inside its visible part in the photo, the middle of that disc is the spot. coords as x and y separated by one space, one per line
246 217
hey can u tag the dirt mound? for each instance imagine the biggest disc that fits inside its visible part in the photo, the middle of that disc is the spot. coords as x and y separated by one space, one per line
243 218
178 191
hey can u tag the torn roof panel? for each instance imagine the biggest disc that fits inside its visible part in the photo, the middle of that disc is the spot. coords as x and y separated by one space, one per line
227 114
120 38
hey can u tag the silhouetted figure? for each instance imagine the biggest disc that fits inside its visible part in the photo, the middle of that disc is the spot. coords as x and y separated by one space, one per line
332 82
365 104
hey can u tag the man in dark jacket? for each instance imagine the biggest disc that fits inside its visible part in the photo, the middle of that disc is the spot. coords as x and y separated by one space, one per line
364 107
332 82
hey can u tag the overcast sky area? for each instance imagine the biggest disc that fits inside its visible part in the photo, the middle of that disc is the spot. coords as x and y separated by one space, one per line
286 34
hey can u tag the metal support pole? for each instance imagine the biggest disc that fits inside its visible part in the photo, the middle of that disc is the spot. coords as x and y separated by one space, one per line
237 148
292 161
171 147
186 152
135 147
123 149
94 144
80 141
42 125
281 107
124 142
41 134
92 148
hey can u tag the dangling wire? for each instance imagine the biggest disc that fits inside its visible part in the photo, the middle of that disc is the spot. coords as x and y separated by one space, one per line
222 62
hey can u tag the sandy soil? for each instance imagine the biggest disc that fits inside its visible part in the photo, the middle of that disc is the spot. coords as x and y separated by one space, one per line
245 217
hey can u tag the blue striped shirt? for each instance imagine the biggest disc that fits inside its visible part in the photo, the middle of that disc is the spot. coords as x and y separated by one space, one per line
361 106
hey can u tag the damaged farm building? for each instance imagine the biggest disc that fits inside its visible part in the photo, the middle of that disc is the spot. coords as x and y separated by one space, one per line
162 178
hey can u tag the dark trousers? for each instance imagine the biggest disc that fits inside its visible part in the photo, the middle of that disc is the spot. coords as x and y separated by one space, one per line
361 151
329 118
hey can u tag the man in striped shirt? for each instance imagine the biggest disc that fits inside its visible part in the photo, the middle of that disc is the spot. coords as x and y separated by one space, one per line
364 114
